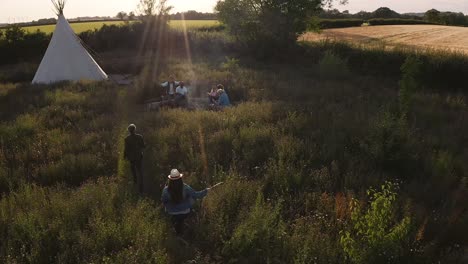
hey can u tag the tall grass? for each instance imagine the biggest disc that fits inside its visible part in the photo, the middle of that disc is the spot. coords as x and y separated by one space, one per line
293 152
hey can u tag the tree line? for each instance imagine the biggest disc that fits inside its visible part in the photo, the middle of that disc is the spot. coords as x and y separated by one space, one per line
431 16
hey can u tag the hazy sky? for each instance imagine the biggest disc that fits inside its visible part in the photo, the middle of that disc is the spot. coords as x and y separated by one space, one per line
27 10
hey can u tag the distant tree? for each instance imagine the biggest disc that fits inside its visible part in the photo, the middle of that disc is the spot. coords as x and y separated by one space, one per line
432 15
45 21
268 25
453 19
446 18
193 15
121 15
363 15
14 34
131 16
385 12
153 8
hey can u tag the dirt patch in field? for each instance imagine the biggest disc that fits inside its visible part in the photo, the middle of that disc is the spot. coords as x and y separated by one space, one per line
425 36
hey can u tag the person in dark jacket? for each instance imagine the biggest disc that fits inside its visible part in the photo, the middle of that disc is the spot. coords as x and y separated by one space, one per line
170 87
134 146
178 199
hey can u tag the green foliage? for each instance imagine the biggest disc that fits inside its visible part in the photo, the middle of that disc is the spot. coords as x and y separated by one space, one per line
263 25
392 145
409 83
375 234
261 237
16 45
312 241
331 66
226 208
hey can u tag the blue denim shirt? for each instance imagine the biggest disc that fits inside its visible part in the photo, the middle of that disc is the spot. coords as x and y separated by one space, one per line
224 100
189 198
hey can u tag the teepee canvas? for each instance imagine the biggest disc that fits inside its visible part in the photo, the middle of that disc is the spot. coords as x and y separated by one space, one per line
66 59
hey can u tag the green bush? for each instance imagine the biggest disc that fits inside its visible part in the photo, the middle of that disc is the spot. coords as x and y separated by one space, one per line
261 237
375 235
331 66
409 83
224 209
312 242
393 146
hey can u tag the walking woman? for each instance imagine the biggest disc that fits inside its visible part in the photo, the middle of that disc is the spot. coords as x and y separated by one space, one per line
178 199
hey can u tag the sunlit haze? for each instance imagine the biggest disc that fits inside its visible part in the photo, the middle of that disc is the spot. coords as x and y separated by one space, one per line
26 10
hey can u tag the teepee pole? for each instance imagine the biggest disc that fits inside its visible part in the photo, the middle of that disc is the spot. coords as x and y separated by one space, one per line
59 5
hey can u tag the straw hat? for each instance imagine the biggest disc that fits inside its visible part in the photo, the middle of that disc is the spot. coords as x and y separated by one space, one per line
175 175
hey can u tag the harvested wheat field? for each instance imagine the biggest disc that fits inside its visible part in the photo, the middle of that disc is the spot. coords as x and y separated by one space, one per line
427 36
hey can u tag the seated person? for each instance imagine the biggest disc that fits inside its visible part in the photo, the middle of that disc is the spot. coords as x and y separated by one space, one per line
213 94
223 98
171 87
181 94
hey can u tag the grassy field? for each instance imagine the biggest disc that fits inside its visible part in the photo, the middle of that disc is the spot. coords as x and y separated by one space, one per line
291 167
81 27
423 36
340 155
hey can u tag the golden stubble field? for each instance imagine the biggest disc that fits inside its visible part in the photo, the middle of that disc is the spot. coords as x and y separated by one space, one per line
424 36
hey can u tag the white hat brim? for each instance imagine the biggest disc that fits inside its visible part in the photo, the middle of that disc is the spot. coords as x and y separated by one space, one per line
171 178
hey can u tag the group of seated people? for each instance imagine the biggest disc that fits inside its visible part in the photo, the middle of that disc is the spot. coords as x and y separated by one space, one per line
218 97
176 94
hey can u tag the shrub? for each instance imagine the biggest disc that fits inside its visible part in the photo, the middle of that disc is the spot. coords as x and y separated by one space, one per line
225 208
409 83
254 146
260 238
393 146
331 66
312 241
375 235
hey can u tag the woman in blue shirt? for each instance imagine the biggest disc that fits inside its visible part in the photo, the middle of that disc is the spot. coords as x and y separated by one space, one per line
178 199
223 98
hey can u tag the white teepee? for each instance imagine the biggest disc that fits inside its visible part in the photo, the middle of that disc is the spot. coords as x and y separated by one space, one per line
66 59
